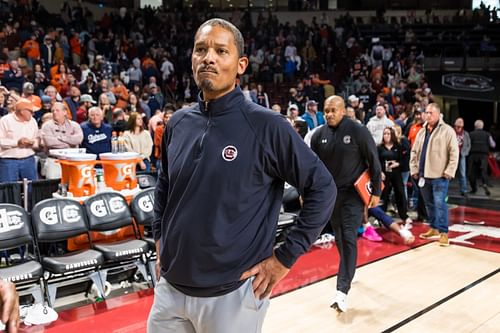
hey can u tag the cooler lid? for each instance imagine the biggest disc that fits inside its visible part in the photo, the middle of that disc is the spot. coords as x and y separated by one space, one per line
119 156
66 151
78 157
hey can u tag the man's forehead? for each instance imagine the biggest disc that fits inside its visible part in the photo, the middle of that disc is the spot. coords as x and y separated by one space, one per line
217 34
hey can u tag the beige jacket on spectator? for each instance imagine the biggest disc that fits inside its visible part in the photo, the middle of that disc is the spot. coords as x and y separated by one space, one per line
442 152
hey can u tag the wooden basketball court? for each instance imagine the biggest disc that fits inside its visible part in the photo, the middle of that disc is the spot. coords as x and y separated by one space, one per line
423 288
408 292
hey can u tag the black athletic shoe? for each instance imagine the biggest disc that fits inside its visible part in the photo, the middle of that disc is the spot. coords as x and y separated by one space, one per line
486 191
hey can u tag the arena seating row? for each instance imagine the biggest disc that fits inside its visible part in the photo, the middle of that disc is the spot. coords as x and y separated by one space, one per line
59 219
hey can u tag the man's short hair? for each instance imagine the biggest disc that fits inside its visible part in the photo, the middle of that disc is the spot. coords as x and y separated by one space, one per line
218 22
435 106
168 106
61 105
95 108
479 124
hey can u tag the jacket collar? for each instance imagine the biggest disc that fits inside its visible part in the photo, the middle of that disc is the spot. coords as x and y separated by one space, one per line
222 104
439 124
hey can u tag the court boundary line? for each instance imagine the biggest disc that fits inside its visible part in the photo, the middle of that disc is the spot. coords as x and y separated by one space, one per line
441 301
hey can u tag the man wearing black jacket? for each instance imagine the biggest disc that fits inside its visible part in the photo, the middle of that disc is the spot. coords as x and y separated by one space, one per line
347 149
224 164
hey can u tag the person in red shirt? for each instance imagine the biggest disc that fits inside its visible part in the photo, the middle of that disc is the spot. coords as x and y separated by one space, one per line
76 49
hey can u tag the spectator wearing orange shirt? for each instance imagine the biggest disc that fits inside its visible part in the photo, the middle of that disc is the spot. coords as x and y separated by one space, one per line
60 80
158 135
4 66
418 122
29 94
147 61
121 94
32 50
58 53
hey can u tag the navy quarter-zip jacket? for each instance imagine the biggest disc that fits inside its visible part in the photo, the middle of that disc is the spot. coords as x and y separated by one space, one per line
219 194
347 151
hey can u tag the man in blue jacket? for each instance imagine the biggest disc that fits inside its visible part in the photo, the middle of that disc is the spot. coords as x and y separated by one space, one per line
96 133
217 201
312 116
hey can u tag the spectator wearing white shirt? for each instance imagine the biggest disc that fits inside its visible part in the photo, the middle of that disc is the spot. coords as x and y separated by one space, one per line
167 69
378 123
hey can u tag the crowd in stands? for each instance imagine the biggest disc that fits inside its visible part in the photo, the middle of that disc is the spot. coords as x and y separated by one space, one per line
84 79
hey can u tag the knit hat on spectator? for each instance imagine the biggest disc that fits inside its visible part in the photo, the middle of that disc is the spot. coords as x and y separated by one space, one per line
46 99
87 98
24 104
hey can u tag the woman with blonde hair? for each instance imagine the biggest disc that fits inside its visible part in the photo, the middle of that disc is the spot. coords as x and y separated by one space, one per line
139 141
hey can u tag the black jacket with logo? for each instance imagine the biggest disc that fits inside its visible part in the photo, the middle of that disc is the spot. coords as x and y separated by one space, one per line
347 151
218 198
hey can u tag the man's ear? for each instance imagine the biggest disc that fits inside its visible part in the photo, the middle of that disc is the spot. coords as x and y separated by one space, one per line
242 65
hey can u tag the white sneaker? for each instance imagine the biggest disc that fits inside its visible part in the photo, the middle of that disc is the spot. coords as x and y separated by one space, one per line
39 314
408 223
340 302
407 236
325 238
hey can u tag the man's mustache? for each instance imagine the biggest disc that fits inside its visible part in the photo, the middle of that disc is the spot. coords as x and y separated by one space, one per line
207 69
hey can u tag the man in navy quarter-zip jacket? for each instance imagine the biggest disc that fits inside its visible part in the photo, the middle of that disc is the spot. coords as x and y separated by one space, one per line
217 201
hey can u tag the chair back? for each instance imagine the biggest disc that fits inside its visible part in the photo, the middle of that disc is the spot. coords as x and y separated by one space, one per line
15 226
58 219
107 211
146 181
142 207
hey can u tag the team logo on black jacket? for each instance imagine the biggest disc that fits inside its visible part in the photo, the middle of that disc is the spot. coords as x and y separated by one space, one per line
347 139
229 153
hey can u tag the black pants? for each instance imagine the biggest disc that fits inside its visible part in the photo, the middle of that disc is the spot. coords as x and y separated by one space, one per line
478 168
395 180
346 219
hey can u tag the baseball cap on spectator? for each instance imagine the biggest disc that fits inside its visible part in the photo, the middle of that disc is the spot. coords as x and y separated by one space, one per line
87 98
353 99
28 87
37 102
46 99
24 104
311 102
292 106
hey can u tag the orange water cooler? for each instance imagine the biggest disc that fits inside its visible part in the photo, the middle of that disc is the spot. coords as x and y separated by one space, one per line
119 170
77 171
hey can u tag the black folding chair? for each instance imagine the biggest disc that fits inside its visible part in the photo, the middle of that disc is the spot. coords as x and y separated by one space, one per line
109 211
15 231
142 211
56 220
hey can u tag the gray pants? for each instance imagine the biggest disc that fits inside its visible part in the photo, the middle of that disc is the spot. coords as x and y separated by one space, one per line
238 311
